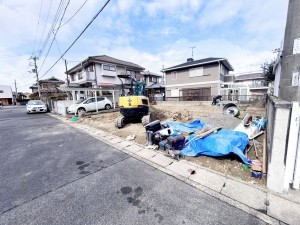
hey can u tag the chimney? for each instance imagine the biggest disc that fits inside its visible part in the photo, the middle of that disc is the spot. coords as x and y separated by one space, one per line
190 60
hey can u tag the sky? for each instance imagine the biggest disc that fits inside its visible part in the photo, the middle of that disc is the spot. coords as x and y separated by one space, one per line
153 34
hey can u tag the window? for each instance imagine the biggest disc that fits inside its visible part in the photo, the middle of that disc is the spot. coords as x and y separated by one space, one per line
81 92
109 67
72 77
1 91
196 72
45 86
80 75
90 101
100 99
150 79
173 75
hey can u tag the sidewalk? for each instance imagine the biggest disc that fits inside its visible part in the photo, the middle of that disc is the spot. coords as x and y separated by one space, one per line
273 208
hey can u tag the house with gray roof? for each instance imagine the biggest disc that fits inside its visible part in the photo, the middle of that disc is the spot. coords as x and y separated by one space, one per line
155 85
258 86
196 80
101 72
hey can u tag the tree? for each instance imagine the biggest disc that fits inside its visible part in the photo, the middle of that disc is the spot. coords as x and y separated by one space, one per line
268 71
34 96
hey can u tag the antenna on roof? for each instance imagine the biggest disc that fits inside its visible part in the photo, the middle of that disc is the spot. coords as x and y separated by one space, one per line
193 51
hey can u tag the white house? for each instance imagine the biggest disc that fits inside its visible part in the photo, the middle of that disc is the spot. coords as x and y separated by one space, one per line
6 96
99 73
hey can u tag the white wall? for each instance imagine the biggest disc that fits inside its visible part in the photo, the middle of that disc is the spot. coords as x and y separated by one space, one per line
60 106
7 93
106 79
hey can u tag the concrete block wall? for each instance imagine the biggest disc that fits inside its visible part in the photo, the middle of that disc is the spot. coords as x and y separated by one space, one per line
279 113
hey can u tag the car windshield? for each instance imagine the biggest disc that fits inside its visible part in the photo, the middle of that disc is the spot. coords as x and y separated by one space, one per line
36 102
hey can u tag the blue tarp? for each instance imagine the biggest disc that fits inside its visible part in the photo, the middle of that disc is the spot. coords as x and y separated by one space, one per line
221 143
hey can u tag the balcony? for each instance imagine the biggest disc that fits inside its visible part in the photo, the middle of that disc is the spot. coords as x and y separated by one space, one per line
85 77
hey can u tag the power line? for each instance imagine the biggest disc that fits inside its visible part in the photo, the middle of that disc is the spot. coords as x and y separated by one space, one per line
54 35
37 26
73 14
97 14
56 17
49 9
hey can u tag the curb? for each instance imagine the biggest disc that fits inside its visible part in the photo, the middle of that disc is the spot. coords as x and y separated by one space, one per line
270 207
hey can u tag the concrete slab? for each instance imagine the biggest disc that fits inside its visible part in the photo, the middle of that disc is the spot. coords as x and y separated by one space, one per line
146 153
162 160
209 179
133 148
283 209
246 194
182 168
123 144
115 140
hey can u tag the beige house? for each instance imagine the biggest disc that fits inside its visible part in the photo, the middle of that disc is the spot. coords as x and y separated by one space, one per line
196 80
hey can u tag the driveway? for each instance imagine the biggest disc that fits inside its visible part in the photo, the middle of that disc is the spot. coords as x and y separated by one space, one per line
53 174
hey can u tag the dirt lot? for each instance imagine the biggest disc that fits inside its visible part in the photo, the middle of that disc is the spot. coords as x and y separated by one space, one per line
230 165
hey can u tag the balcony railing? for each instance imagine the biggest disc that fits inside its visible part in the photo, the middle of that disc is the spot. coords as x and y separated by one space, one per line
259 85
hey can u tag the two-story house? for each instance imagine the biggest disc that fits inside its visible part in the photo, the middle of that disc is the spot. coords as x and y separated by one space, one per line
100 72
196 79
155 85
47 87
256 82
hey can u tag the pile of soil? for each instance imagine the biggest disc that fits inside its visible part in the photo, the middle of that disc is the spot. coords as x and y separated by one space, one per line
230 165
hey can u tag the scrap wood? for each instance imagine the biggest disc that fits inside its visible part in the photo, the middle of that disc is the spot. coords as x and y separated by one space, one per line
204 132
256 153
256 168
255 136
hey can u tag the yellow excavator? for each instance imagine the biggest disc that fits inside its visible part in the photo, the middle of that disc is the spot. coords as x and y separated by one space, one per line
134 106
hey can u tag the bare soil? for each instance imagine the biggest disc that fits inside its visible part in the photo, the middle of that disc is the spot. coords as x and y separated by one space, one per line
230 165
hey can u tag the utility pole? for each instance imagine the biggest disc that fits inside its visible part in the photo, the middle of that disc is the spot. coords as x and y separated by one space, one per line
16 91
289 87
67 73
37 75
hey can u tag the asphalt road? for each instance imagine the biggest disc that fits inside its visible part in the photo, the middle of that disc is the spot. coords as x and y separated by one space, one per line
53 174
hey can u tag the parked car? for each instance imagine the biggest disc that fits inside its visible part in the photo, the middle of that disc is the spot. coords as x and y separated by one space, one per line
35 106
87 105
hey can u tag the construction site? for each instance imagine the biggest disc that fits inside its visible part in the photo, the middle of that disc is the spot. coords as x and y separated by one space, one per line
188 111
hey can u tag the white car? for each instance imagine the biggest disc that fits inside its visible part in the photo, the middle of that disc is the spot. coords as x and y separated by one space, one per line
35 106
87 105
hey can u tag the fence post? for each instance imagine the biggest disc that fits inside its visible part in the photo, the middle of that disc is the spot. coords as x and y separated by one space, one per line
278 124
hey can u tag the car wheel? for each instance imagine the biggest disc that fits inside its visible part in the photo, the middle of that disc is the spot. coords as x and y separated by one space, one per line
107 106
81 110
